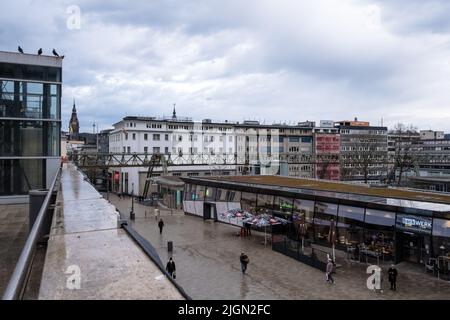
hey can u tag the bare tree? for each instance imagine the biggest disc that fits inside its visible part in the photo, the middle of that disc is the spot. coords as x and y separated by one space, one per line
405 154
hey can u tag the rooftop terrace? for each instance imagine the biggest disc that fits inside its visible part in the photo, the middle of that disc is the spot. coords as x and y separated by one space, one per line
86 234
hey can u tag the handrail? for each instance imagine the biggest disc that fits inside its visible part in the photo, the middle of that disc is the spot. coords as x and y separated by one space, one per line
14 288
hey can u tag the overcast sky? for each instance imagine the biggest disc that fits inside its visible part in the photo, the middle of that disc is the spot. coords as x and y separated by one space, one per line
245 59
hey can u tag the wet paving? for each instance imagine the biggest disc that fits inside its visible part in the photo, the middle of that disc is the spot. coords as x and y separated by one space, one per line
207 259
13 234
87 243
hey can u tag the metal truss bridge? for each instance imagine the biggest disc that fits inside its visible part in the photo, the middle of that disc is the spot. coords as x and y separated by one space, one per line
107 160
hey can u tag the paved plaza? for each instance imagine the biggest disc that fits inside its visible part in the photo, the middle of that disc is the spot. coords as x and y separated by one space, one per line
13 234
206 254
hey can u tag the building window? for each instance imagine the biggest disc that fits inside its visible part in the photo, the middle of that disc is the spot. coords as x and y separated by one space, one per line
145 136
166 137
156 137
134 136
145 149
166 150
129 149
156 150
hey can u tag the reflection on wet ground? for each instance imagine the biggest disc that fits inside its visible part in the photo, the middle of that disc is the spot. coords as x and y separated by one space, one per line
207 259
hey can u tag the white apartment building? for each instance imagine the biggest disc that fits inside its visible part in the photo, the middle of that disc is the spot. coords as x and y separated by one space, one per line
197 148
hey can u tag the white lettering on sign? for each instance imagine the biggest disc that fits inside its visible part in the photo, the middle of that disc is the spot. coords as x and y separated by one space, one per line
410 222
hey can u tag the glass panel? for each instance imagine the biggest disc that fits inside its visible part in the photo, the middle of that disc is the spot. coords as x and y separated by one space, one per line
379 233
21 138
441 237
53 143
200 193
35 88
36 103
221 195
303 219
234 196
19 176
382 218
350 225
192 192
325 222
33 107
441 228
53 114
7 86
284 205
248 201
53 89
187 190
265 202
210 193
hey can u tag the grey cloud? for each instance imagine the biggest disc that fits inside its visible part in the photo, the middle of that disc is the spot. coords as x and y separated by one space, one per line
311 59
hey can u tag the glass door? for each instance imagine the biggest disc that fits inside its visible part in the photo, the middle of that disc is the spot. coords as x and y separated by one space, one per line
411 247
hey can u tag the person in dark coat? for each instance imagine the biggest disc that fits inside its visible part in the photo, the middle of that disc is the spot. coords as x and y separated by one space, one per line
170 267
392 274
248 228
244 262
160 225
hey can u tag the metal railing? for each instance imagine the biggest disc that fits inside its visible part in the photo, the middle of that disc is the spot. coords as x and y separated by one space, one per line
15 286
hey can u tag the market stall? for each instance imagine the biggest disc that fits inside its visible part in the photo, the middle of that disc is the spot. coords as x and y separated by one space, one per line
263 221
235 217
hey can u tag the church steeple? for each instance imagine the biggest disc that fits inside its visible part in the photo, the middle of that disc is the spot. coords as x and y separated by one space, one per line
74 126
174 114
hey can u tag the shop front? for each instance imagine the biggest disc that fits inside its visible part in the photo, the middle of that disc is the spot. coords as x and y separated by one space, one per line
413 238
315 224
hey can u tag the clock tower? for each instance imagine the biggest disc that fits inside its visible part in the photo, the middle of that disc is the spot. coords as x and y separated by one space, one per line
74 126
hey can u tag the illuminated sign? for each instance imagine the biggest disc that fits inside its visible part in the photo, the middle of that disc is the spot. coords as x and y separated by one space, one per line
414 223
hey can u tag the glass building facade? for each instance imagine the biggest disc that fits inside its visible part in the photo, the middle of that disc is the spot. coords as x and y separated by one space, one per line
370 229
30 121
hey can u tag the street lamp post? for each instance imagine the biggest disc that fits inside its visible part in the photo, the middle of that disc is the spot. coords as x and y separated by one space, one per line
132 202
107 185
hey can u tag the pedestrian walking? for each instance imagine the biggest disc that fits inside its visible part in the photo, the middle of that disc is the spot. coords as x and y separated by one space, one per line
156 210
170 268
244 262
248 227
160 225
392 274
329 271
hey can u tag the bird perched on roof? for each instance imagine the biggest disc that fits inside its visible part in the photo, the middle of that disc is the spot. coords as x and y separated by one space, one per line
55 53
19 49
40 51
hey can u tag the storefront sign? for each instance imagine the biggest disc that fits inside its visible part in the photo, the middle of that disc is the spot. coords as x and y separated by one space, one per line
414 223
